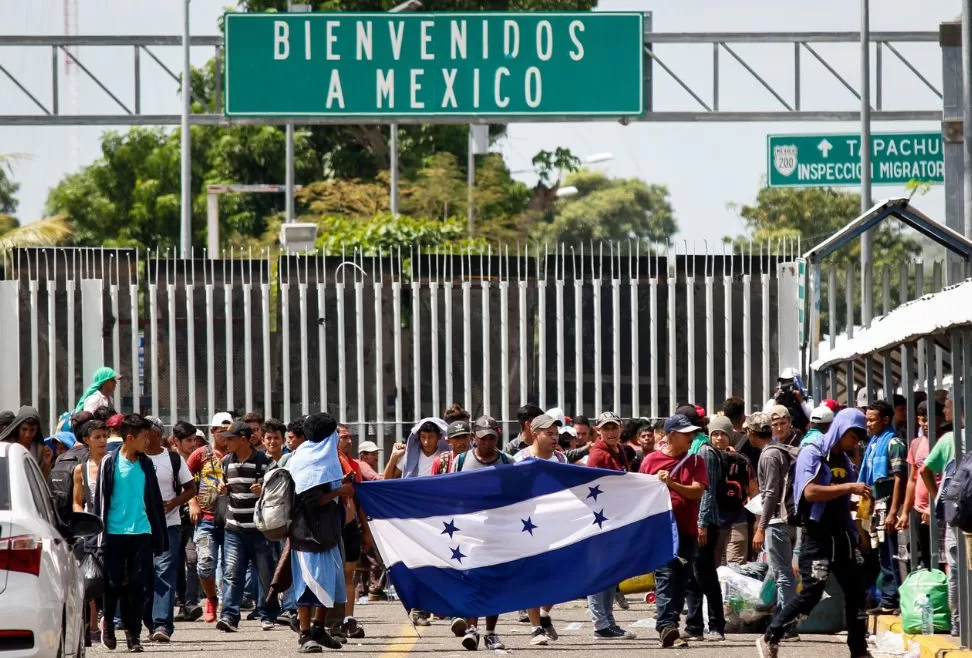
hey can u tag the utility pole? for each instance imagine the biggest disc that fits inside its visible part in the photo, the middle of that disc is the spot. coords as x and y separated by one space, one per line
409 5
185 227
967 113
866 238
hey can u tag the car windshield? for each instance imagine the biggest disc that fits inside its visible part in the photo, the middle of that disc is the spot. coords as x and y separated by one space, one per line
4 485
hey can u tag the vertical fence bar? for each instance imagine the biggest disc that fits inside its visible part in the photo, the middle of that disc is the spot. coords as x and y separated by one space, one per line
341 347
154 331
320 270
359 353
304 341
578 335
866 311
115 341
542 330
653 335
32 288
377 288
596 272
434 327
265 319
887 373
210 343
672 333
504 288
849 301
522 308
936 287
832 324
690 327
447 308
927 345
747 281
191 346
635 360
765 358
561 357
137 376
170 292
486 351
228 309
397 344
965 577
416 340
284 285
728 312
52 353
709 337
70 283
908 388
467 334
919 291
616 334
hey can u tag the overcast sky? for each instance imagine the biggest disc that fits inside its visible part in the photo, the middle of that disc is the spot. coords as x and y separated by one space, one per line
705 165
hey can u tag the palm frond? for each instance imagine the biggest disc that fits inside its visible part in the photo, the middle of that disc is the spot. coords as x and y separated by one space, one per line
48 232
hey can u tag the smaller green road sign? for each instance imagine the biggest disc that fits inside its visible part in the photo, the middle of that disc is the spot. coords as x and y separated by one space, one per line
449 64
832 160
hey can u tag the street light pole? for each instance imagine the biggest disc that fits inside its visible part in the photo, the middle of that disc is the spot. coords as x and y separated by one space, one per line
185 178
866 237
409 5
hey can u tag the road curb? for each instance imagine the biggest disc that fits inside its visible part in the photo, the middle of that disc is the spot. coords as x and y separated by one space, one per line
932 646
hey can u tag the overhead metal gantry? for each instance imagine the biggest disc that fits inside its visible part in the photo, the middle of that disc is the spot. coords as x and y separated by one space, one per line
724 52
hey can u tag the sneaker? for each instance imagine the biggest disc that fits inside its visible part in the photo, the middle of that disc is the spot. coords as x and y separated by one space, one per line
715 636
267 625
352 629
492 642
307 644
791 635
376 594
420 620
613 633
253 615
620 599
181 614
668 636
765 649
884 610
94 637
523 618
247 604
209 612
538 638
459 627
134 644
548 628
691 635
226 626
108 638
159 635
193 612
325 639
470 640
337 632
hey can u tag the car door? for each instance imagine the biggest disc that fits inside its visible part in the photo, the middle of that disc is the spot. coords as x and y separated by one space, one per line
58 558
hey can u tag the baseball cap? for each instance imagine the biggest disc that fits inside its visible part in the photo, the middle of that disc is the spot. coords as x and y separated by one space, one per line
862 397
486 426
822 414
114 422
557 414
691 412
759 422
367 446
157 424
237 430
779 411
680 423
459 428
221 419
831 404
542 422
720 424
606 418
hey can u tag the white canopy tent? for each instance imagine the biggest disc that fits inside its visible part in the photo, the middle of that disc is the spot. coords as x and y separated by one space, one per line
926 316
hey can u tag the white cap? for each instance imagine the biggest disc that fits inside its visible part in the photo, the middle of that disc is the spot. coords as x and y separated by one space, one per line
367 446
789 373
558 414
221 419
822 414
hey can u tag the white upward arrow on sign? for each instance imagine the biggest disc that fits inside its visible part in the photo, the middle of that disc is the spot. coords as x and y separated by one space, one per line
825 147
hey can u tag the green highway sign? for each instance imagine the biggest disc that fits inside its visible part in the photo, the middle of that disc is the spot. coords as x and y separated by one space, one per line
831 160
450 64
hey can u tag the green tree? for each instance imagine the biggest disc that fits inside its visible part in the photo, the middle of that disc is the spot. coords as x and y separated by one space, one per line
8 188
609 209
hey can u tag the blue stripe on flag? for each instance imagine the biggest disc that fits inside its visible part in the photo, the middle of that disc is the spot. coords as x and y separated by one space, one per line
586 567
464 493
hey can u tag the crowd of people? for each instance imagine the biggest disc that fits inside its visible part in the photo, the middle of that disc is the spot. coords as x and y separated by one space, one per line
834 487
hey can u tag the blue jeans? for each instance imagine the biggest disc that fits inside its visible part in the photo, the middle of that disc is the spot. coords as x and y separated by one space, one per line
601 606
209 542
890 576
241 546
779 551
670 581
166 575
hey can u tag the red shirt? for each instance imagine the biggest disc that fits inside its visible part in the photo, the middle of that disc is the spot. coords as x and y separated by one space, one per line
601 456
686 512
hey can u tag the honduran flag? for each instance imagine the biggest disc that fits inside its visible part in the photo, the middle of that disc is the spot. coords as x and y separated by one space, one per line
513 537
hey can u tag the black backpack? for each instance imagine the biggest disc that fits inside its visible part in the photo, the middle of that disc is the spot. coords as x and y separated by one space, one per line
733 487
957 496
789 509
61 479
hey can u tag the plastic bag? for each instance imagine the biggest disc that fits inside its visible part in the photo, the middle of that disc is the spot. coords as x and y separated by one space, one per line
93 575
934 583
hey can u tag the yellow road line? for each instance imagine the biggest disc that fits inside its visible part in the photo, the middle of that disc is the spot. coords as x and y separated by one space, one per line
405 639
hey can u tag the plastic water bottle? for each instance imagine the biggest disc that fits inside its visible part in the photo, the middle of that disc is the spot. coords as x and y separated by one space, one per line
925 609
390 592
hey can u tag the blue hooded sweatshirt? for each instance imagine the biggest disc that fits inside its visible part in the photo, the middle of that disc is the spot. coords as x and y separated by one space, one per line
812 462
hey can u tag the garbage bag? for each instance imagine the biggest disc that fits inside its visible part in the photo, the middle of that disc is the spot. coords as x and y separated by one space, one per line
94 576
934 583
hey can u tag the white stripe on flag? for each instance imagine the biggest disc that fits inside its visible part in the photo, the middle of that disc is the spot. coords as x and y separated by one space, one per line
499 535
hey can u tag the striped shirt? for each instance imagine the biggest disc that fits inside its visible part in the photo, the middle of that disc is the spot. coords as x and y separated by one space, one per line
239 478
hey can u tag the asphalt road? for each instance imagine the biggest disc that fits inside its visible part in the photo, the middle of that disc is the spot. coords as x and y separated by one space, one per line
389 635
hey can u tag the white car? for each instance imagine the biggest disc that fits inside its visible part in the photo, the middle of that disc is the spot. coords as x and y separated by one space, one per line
42 607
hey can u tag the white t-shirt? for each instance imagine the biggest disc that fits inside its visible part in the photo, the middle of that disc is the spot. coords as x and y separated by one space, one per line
163 471
557 456
425 464
96 401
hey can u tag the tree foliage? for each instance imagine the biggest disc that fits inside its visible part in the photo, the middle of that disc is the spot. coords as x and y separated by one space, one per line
609 209
8 188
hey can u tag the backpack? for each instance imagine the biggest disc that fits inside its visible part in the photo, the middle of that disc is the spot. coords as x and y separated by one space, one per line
947 476
61 480
504 458
733 487
957 497
789 509
275 506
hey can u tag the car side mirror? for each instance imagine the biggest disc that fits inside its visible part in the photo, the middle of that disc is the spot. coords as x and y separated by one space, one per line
82 525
